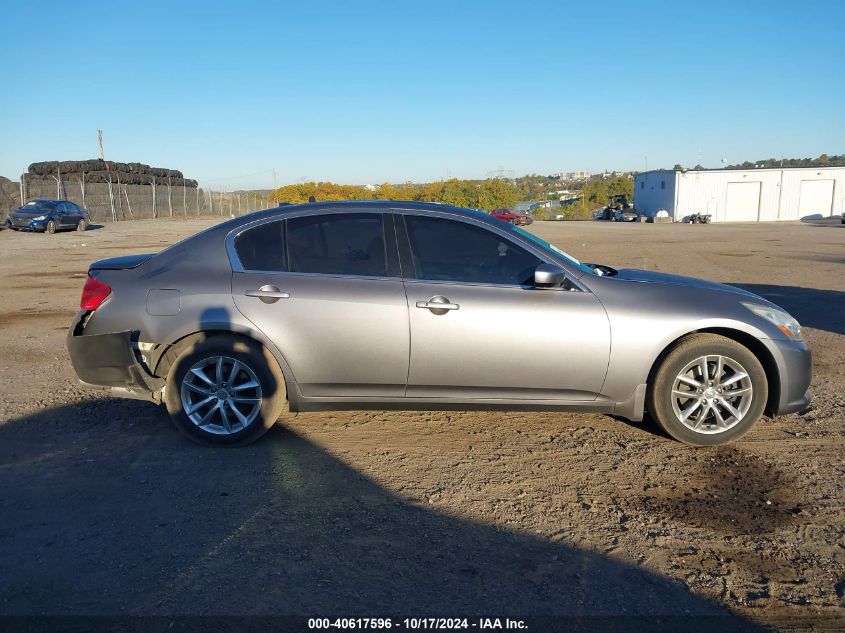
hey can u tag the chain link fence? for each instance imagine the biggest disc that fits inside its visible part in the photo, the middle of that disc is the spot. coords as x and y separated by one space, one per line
116 201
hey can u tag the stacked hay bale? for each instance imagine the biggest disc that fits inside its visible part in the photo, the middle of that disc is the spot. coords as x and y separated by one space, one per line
99 171
10 197
115 191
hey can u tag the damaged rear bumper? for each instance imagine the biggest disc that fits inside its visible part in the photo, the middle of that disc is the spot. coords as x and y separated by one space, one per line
110 361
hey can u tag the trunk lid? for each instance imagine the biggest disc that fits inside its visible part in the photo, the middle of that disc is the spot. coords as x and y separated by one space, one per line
124 262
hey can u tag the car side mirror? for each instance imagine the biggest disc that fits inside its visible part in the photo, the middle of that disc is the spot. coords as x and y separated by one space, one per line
549 276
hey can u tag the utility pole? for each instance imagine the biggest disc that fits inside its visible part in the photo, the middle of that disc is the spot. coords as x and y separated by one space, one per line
103 158
646 162
274 178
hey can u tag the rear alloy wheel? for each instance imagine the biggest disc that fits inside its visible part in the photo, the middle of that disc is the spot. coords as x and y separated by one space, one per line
709 390
51 227
83 225
225 391
221 395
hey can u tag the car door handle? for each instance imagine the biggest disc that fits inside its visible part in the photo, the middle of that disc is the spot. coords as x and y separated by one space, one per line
438 305
268 294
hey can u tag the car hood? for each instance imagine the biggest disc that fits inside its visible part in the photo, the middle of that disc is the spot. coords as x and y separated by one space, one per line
29 212
649 276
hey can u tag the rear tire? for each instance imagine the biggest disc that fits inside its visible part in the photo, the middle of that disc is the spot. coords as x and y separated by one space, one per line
52 227
708 410
82 226
234 413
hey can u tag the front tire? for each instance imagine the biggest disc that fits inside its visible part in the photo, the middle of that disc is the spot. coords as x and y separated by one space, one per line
709 390
52 227
225 391
82 226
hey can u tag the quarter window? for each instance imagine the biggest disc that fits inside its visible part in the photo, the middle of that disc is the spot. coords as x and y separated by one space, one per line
446 250
262 248
342 244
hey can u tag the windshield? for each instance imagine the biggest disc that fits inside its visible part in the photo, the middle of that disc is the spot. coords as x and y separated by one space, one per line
38 205
552 249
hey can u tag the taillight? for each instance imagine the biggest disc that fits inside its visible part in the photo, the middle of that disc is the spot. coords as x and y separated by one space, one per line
93 294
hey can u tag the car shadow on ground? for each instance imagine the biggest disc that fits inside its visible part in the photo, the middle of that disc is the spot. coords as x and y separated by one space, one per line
107 510
819 220
815 308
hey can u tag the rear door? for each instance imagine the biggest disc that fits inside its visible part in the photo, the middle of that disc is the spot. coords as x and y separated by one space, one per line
63 215
73 215
325 288
480 330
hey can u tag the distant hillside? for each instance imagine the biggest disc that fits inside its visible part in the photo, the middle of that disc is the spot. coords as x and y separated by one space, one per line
825 160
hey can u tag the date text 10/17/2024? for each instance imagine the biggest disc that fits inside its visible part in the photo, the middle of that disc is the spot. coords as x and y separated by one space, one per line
430 624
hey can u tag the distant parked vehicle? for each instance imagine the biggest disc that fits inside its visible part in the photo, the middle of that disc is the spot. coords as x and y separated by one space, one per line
507 215
48 216
843 217
699 218
625 215
618 209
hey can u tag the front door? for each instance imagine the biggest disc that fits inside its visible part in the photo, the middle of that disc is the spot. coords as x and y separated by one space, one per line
319 287
479 330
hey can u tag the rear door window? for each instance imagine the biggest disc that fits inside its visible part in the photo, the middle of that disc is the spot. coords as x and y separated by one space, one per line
338 244
262 249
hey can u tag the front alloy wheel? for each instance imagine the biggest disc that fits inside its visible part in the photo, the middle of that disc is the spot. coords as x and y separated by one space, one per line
712 394
707 390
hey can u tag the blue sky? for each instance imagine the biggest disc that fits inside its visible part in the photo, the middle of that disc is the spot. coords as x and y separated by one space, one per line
365 92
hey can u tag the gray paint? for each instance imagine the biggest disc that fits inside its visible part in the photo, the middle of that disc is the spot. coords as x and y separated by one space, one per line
347 342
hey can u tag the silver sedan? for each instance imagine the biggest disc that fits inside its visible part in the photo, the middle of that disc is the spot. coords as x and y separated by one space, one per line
415 306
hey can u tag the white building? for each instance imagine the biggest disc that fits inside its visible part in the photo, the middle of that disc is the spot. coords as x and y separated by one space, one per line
570 175
732 195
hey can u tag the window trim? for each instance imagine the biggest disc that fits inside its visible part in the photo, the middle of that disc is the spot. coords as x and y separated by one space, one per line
390 246
387 258
405 251
394 249
233 252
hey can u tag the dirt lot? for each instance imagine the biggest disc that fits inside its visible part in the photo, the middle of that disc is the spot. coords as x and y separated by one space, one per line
104 509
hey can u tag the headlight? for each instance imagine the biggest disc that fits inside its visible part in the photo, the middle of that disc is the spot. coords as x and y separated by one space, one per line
781 320
40 217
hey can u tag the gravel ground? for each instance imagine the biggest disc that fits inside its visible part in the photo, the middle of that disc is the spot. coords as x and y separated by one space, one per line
105 509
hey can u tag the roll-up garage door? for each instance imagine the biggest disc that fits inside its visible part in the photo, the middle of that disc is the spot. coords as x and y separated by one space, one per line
816 198
743 202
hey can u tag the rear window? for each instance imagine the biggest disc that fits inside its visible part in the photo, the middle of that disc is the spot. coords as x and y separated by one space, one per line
262 248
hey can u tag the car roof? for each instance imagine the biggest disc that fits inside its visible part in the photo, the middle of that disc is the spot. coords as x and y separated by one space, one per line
355 205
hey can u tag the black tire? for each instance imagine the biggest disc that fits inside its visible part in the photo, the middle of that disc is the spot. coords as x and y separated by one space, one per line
52 227
659 395
259 361
82 226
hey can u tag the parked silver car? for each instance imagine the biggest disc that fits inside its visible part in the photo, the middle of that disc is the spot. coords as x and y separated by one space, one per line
407 305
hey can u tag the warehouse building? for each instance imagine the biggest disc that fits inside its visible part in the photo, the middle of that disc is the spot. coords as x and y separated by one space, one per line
732 195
